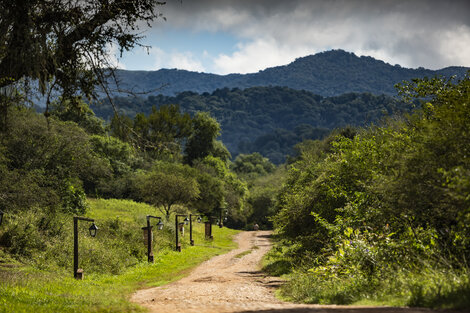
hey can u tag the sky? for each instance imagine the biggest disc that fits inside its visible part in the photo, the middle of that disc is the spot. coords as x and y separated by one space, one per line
246 36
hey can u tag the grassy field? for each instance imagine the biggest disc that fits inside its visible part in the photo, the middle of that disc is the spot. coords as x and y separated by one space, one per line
25 288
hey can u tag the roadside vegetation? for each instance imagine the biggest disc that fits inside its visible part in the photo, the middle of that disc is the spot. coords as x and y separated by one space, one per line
73 164
381 215
114 262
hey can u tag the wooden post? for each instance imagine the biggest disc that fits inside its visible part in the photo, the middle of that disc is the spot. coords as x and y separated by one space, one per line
75 247
75 243
191 241
208 229
177 246
221 223
148 239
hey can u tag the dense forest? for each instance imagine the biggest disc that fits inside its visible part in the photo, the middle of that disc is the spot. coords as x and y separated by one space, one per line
268 120
329 73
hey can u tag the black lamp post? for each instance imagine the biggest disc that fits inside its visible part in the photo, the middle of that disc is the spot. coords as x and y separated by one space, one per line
221 220
149 236
93 228
199 219
1 217
186 221
208 229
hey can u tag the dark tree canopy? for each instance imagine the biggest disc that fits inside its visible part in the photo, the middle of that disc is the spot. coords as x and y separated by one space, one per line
63 44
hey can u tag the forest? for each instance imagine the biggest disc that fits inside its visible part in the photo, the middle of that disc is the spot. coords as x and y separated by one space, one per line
267 120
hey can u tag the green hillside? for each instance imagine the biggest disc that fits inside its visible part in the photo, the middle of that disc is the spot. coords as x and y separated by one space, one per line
269 120
328 73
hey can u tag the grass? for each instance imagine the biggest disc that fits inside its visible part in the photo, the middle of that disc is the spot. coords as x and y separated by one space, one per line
432 287
125 210
24 288
241 255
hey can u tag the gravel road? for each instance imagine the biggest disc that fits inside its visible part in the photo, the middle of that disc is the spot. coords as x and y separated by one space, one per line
233 283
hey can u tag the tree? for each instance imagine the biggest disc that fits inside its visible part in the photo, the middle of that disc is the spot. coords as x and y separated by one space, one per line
220 187
158 135
201 142
169 184
46 164
79 113
253 163
66 43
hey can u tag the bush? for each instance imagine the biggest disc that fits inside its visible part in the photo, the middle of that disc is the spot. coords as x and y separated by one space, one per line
384 200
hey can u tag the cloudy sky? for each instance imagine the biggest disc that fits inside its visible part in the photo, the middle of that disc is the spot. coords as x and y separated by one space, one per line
244 36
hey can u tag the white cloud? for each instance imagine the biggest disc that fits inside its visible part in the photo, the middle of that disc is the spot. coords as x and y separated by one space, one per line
185 61
180 60
256 55
113 55
456 46
427 33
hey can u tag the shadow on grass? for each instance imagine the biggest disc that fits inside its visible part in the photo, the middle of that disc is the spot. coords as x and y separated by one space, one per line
278 268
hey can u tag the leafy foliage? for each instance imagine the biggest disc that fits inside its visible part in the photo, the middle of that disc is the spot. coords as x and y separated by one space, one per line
46 164
201 142
268 120
252 163
391 198
169 184
63 45
160 133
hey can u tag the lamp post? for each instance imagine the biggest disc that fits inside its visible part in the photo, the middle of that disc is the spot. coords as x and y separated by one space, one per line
199 219
1 217
149 236
221 223
93 228
221 220
208 226
186 221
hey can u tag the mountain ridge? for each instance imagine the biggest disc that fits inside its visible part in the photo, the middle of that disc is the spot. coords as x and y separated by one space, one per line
328 73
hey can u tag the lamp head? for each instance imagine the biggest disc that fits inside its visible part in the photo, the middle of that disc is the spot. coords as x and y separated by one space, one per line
199 219
186 221
160 225
93 228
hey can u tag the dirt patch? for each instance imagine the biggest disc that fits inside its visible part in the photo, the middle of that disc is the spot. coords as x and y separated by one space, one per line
234 283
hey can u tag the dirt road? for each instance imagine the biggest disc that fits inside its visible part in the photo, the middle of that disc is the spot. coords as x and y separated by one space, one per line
233 283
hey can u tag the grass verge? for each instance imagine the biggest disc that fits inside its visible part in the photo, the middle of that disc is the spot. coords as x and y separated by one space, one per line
432 287
25 288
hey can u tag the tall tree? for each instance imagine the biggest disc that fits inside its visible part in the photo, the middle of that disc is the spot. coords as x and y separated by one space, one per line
65 43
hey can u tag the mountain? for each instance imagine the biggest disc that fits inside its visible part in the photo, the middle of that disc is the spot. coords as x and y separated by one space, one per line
269 120
329 73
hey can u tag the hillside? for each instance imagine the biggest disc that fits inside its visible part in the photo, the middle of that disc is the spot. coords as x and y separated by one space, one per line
328 73
269 120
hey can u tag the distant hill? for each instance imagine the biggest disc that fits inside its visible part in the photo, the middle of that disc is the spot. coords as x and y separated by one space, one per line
269 120
329 73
